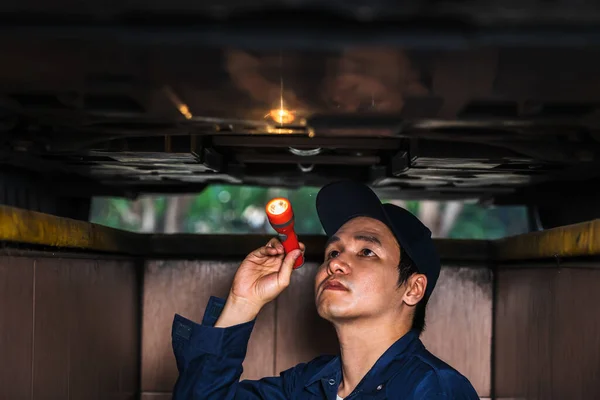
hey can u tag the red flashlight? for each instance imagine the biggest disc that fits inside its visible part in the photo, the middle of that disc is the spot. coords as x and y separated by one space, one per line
281 217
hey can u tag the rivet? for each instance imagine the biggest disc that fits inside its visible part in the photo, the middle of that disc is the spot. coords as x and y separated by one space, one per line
331 382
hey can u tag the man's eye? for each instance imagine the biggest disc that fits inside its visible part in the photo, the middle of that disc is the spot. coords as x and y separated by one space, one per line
367 253
333 254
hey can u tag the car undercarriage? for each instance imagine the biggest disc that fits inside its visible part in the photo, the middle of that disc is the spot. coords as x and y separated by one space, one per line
454 101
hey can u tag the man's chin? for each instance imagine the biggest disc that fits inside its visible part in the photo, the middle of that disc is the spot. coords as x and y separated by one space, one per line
335 312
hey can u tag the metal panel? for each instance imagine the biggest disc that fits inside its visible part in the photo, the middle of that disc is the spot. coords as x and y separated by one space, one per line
16 327
184 287
459 320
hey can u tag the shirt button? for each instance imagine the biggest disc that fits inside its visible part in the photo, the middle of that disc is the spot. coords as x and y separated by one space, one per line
331 382
379 387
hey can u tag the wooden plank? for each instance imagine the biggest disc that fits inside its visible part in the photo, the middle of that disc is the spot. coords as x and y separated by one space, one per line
115 303
568 241
24 226
127 324
236 247
575 343
103 329
156 396
85 330
16 327
51 363
523 333
184 287
459 323
31 227
105 299
562 263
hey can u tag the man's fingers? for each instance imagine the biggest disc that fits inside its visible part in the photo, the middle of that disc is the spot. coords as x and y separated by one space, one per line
271 251
275 243
272 248
285 272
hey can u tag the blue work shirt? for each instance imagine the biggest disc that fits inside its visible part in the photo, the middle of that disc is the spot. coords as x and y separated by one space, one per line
210 359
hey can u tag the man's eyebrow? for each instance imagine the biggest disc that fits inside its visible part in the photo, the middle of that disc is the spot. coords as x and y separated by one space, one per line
368 238
331 240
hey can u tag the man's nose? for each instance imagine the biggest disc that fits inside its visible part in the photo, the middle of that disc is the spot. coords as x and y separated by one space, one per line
338 265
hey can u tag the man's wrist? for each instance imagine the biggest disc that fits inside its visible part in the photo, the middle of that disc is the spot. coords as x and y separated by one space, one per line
237 311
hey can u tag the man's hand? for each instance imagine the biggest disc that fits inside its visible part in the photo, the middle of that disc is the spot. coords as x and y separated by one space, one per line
261 277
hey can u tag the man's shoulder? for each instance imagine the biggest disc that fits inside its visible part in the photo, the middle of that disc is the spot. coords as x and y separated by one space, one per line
432 362
434 376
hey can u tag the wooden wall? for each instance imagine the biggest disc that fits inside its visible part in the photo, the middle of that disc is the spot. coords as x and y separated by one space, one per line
69 328
289 330
547 332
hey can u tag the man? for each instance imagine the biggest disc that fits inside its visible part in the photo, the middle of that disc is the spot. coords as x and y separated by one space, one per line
379 270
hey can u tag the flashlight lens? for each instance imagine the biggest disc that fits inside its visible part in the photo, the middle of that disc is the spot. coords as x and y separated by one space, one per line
278 207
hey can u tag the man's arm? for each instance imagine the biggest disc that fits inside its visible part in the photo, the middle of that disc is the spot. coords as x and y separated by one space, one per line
210 355
209 360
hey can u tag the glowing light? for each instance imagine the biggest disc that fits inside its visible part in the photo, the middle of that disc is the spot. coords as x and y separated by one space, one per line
281 131
282 116
278 207
181 106
183 109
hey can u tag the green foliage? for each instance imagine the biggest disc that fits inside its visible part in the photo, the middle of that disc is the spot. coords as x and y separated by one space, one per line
231 209
477 222
226 209
413 207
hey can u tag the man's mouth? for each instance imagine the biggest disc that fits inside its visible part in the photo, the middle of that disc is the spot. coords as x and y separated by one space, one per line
334 285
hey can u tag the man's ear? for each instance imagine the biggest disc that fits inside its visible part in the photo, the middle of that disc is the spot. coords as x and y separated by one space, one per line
415 289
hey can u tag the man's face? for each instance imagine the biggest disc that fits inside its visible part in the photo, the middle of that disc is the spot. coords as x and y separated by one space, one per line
359 277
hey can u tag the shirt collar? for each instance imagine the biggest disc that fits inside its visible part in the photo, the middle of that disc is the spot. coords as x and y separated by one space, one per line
403 346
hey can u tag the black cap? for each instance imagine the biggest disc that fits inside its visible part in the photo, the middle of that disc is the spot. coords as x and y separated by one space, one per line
339 202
